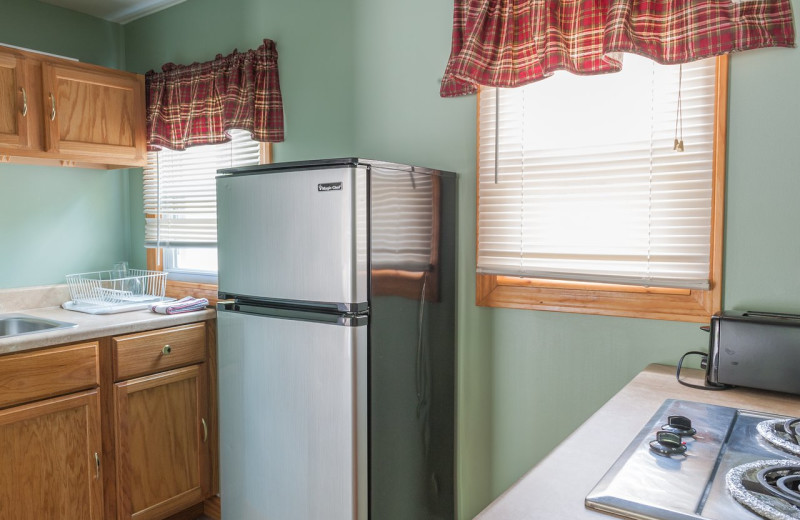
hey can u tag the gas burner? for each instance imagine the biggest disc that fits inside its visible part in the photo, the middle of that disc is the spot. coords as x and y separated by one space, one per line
769 488
668 444
783 433
680 425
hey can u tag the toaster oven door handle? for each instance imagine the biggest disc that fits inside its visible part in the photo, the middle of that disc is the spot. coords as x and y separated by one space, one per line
759 314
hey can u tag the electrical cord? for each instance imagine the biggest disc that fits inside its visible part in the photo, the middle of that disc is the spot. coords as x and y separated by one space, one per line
698 387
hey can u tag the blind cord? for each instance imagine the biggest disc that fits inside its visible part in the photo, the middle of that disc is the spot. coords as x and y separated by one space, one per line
678 145
159 253
648 267
496 132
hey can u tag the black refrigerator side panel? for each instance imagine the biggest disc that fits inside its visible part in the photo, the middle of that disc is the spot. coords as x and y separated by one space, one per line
412 354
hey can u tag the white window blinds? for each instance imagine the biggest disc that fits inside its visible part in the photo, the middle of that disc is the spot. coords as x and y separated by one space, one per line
584 183
180 200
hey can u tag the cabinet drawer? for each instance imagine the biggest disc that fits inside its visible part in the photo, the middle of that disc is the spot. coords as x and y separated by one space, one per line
46 373
150 352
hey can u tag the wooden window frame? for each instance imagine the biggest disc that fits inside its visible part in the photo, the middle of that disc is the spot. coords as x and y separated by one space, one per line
691 305
179 288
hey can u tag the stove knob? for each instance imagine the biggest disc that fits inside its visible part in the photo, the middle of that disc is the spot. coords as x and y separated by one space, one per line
668 444
679 425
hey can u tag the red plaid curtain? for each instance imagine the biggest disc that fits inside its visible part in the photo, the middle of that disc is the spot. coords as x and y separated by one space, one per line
196 104
509 43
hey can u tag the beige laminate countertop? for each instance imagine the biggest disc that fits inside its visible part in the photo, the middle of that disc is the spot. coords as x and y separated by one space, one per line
557 486
89 326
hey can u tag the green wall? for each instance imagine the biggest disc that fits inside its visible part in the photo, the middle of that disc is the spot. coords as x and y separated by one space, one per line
314 39
55 221
361 77
400 57
527 379
762 241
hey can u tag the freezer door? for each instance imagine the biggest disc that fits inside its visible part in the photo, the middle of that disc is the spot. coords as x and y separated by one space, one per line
293 426
298 235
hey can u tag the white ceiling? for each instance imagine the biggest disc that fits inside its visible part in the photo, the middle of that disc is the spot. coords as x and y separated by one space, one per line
119 11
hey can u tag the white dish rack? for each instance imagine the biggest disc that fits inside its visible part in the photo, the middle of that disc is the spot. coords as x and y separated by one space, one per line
108 292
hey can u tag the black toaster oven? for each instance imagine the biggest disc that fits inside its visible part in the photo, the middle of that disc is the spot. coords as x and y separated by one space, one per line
756 350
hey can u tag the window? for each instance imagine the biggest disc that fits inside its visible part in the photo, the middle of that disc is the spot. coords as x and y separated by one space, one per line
180 206
584 206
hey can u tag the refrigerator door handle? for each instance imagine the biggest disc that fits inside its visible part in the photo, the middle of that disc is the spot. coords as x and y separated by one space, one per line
343 319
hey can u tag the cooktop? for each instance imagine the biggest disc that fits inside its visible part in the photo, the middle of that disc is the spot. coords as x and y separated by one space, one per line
700 461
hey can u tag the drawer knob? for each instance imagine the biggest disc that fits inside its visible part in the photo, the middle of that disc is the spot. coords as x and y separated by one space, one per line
166 350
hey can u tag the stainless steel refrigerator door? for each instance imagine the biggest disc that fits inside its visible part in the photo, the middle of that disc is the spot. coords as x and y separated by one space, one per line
293 426
294 236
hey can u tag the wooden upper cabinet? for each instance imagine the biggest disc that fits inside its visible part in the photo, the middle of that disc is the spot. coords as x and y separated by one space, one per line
14 93
94 114
59 112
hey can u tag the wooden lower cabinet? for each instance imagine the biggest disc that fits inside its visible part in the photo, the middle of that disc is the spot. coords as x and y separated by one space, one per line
51 467
116 428
162 443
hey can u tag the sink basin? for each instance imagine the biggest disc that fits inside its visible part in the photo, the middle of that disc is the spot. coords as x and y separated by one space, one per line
19 324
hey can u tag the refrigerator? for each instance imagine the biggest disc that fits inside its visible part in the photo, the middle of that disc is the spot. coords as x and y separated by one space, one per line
337 341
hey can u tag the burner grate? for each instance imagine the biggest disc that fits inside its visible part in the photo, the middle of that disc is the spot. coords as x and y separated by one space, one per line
767 487
782 433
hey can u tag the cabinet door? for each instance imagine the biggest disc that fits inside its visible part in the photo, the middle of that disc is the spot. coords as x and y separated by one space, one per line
50 460
162 443
92 114
14 100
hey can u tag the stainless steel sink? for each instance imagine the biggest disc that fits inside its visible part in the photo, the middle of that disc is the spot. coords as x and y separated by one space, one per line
19 324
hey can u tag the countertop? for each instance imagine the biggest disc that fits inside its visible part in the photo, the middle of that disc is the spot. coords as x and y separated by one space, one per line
557 486
89 326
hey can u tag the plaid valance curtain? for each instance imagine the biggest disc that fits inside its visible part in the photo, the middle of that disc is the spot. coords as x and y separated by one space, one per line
196 104
509 43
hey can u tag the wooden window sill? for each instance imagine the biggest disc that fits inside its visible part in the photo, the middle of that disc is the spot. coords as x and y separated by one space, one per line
178 289
610 300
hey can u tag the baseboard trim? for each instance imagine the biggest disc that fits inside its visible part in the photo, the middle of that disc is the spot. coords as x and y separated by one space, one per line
193 513
212 508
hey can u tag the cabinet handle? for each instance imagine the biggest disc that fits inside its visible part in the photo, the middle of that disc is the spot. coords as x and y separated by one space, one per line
166 350
52 107
96 466
24 102
205 430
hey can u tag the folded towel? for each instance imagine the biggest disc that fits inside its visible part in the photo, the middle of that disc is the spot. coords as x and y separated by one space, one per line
187 304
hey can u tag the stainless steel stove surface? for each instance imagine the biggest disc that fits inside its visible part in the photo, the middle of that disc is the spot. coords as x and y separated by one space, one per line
738 464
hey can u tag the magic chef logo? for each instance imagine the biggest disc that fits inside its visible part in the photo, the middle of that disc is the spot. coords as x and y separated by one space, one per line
329 186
